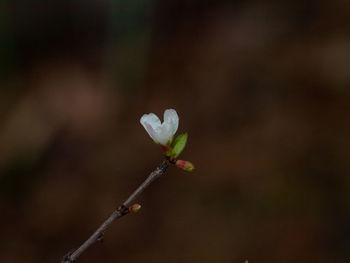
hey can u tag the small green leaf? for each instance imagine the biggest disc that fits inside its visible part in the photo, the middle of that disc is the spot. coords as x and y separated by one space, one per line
179 145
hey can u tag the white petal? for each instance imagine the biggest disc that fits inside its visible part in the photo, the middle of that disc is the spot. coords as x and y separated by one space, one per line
162 134
151 118
150 122
171 120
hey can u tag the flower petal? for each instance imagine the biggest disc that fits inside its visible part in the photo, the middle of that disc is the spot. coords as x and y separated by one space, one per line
171 120
151 132
162 134
151 118
150 122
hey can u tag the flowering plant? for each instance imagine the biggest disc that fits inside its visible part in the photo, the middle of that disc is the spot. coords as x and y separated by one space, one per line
163 134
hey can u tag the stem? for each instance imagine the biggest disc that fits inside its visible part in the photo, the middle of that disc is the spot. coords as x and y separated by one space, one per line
118 213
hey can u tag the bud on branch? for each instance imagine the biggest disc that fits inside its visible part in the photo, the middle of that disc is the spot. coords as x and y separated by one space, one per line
186 165
135 208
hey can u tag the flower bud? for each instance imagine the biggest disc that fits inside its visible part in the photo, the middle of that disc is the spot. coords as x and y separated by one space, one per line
135 208
186 165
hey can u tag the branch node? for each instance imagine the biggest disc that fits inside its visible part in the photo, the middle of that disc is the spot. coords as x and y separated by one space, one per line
123 210
101 237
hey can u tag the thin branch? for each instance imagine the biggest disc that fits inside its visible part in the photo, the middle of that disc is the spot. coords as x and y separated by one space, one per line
118 213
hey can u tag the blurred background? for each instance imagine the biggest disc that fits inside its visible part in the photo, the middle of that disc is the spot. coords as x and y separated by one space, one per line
262 88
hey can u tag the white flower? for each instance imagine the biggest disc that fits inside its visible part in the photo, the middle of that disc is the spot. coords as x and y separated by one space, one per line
161 132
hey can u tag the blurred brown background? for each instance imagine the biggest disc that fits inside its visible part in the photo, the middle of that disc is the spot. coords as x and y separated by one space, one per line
262 88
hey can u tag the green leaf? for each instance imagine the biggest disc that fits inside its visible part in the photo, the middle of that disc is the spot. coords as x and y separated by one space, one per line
179 145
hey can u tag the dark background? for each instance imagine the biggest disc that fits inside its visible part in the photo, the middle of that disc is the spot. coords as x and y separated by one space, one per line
262 88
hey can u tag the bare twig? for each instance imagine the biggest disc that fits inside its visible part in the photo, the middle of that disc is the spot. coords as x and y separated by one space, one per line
119 212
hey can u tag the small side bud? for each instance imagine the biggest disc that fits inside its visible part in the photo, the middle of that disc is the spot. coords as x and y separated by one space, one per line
135 208
186 165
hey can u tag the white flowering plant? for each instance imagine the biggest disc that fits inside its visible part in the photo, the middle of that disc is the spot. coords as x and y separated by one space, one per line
163 133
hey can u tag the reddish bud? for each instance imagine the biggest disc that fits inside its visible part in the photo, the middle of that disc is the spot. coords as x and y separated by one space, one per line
186 165
135 208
